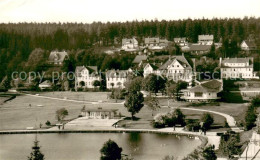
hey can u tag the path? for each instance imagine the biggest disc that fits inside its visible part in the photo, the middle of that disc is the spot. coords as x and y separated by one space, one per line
230 120
71 100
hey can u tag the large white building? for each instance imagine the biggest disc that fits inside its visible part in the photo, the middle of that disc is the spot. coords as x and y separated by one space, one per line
206 39
129 44
116 78
176 68
237 68
85 76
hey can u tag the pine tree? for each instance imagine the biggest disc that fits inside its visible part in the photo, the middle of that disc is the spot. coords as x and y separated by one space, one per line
36 153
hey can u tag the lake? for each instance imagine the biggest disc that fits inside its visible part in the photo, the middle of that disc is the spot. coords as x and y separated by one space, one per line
86 146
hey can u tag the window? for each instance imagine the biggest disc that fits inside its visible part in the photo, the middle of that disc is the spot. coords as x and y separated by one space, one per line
177 65
198 94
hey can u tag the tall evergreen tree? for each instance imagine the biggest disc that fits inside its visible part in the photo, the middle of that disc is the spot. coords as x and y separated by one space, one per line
36 153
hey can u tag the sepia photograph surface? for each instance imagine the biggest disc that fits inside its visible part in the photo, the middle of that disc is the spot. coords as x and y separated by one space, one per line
129 80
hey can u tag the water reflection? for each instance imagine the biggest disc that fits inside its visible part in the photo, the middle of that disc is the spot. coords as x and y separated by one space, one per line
84 146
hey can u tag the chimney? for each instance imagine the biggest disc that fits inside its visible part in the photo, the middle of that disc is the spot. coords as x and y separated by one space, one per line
220 61
194 64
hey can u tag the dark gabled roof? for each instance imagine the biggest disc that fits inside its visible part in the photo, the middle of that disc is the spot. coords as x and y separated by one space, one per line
199 47
47 82
181 59
209 86
92 70
236 60
139 58
250 43
248 60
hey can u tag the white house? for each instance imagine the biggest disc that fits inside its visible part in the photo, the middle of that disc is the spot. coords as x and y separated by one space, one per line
155 43
45 85
85 76
206 39
181 41
116 78
57 58
248 45
235 68
207 91
129 44
150 68
176 68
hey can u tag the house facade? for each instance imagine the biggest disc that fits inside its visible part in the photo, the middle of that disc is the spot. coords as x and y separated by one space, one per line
248 45
150 68
116 78
205 39
99 113
199 49
129 44
237 68
176 68
181 41
45 85
57 58
85 76
155 43
206 91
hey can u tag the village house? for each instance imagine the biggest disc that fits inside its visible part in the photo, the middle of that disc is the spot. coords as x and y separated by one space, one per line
176 68
57 58
181 41
45 85
199 49
129 44
248 46
205 39
151 68
99 113
155 43
235 68
206 91
85 76
116 78
139 60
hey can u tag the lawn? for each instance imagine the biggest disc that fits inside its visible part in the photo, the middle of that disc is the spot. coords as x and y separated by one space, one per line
237 110
23 111
81 96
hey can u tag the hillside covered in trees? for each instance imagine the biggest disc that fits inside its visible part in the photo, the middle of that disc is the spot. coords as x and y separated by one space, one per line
17 41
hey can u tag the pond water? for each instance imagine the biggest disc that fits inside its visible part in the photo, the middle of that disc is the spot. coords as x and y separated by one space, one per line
86 146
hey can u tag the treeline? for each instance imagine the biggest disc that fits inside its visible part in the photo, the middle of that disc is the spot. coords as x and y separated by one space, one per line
17 41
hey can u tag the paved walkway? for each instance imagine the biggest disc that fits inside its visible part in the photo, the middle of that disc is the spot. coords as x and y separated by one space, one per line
230 120
70 100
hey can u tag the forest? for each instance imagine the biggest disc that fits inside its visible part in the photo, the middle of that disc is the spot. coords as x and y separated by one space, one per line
19 40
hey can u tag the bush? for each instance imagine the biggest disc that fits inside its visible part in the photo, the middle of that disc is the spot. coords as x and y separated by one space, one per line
192 125
48 123
157 124
207 120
